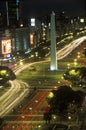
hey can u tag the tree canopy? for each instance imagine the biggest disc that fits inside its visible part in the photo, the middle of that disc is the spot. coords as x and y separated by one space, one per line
84 51
6 74
63 97
76 75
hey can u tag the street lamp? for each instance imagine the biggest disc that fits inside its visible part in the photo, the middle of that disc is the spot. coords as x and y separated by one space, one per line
78 55
75 62
69 117
68 65
51 95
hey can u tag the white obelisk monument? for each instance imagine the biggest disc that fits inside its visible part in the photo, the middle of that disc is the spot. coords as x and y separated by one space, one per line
53 65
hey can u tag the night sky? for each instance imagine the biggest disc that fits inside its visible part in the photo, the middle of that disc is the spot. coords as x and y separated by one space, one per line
43 7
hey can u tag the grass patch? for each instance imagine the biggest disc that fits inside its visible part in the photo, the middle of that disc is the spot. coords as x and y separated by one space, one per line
42 76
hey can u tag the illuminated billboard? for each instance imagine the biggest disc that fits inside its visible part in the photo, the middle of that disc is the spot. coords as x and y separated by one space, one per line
33 22
6 46
31 39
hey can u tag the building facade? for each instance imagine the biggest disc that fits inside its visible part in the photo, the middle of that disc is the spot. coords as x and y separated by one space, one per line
13 14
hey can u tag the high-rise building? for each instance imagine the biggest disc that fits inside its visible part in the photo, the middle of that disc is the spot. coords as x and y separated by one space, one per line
85 12
12 9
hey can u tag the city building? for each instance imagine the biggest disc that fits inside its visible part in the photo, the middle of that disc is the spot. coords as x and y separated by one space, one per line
5 45
20 39
12 9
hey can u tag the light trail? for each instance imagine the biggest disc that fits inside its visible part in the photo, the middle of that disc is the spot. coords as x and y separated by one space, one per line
69 48
17 93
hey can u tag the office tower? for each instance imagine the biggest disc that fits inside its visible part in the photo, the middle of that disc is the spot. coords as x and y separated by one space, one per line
12 9
85 12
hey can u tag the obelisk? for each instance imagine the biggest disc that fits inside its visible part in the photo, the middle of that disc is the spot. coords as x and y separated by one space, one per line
53 65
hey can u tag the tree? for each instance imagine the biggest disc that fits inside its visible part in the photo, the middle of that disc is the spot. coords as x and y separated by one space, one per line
47 117
76 75
6 74
1 122
84 51
64 96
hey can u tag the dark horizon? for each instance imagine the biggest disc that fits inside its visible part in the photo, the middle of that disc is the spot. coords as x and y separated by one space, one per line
33 8
71 8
